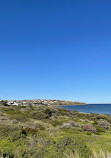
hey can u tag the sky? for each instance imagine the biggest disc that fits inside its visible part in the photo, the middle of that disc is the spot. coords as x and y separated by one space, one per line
55 50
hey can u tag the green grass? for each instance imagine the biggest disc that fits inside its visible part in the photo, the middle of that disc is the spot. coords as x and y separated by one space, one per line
36 133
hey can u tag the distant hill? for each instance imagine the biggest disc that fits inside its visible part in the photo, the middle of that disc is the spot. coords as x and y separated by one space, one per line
64 102
42 102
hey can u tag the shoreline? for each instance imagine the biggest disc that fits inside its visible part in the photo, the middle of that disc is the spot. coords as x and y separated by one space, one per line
70 105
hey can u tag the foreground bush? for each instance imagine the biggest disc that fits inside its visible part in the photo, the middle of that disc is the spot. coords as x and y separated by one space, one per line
100 129
89 128
66 125
104 124
20 118
39 115
74 124
104 117
4 103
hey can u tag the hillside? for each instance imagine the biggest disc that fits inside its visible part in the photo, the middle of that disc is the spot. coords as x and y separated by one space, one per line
42 102
50 132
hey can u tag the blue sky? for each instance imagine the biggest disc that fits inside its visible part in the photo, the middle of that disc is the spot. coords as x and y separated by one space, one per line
56 50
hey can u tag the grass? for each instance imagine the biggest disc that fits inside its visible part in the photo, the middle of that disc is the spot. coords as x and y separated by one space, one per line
36 133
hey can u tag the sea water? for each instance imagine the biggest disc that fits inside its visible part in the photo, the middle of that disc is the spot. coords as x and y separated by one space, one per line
90 108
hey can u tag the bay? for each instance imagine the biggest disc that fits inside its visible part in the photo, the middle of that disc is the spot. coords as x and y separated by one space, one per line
90 108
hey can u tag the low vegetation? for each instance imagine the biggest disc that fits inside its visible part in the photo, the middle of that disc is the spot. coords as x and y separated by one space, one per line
50 132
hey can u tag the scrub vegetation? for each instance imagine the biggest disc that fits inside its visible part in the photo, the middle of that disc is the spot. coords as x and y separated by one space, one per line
51 132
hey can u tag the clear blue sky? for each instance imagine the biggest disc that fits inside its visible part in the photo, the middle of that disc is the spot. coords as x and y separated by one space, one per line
56 50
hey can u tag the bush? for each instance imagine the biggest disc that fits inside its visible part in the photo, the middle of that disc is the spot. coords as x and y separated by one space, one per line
30 125
70 124
49 112
20 118
24 132
95 122
56 122
74 124
43 112
30 130
65 112
89 128
6 130
41 127
104 117
88 133
99 129
4 103
39 115
66 125
104 124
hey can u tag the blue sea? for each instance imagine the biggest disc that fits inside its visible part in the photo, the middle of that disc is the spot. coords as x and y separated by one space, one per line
94 108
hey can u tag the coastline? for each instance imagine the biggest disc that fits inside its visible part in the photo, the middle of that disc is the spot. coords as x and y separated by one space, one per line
69 105
103 109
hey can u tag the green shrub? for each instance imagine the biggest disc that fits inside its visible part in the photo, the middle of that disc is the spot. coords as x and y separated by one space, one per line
95 122
7 130
39 115
30 130
49 112
88 133
104 117
4 103
99 129
41 127
65 112
11 111
20 118
75 111
56 123
30 125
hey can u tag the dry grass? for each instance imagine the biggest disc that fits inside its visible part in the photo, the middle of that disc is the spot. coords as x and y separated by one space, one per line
72 155
101 154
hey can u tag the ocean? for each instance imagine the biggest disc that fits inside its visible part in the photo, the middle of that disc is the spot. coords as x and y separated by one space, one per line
91 108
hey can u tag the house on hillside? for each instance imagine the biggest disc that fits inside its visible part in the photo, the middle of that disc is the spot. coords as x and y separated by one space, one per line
12 103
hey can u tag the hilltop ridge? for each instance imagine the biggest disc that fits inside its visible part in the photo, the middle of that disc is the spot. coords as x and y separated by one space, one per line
43 102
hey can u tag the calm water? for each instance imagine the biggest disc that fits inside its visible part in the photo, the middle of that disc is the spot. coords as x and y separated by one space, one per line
95 108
